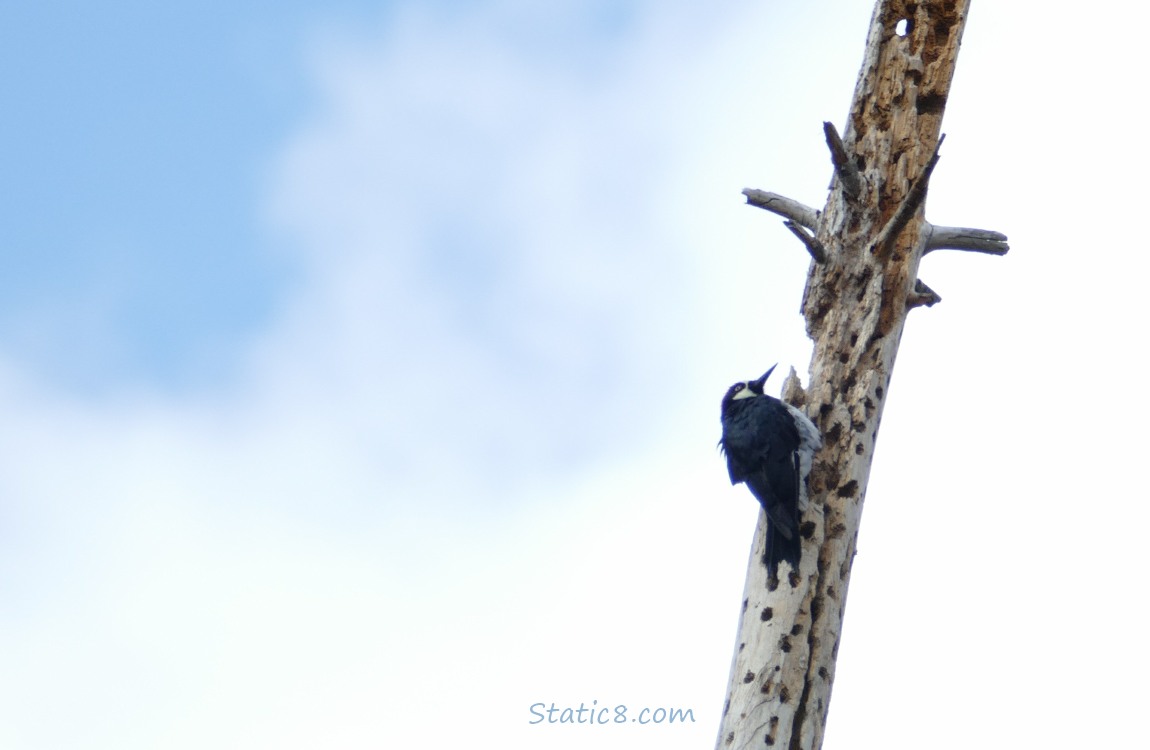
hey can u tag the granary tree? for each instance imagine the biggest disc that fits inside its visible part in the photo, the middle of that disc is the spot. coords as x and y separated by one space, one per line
865 246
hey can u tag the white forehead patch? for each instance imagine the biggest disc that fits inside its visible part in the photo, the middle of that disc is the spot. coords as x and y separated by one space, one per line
744 392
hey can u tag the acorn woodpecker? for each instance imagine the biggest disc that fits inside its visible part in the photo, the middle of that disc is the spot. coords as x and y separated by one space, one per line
770 445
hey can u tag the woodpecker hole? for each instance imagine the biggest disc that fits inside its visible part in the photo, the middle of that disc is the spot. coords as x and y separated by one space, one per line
784 694
794 579
930 104
878 391
902 28
797 629
785 644
859 449
749 677
823 673
742 646
768 740
807 530
766 614
834 433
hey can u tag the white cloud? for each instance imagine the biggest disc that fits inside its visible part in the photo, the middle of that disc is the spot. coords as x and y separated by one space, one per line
497 295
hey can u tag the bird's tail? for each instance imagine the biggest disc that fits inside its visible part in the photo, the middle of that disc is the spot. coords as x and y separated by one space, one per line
780 548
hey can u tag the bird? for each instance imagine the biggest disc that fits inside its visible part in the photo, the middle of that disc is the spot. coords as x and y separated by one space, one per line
770 447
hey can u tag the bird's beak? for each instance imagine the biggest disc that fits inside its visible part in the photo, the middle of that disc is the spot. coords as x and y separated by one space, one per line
763 380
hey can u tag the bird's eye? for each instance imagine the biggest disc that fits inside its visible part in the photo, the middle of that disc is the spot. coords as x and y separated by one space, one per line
739 387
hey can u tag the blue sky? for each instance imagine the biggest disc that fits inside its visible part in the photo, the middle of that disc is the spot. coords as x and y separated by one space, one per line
360 364
135 156
133 146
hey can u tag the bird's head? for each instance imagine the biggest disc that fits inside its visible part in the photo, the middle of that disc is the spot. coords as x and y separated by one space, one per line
748 388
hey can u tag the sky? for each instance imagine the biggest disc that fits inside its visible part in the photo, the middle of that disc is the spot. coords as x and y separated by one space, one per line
360 366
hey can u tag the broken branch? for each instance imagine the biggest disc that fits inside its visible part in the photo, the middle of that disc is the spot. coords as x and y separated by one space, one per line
964 238
848 173
922 296
783 206
810 242
910 203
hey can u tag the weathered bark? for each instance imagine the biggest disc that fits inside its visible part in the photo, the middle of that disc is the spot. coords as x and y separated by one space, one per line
871 234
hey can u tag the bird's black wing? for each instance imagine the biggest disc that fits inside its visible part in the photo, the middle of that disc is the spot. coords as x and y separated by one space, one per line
740 437
760 440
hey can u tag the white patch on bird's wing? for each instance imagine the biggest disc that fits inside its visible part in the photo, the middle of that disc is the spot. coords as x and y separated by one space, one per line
809 442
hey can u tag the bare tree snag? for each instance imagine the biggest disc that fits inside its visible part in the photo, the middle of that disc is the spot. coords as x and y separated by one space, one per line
860 287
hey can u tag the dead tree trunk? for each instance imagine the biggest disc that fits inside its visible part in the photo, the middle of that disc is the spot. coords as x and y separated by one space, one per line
865 247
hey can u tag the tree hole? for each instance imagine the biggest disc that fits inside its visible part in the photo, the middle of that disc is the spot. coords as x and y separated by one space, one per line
902 27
